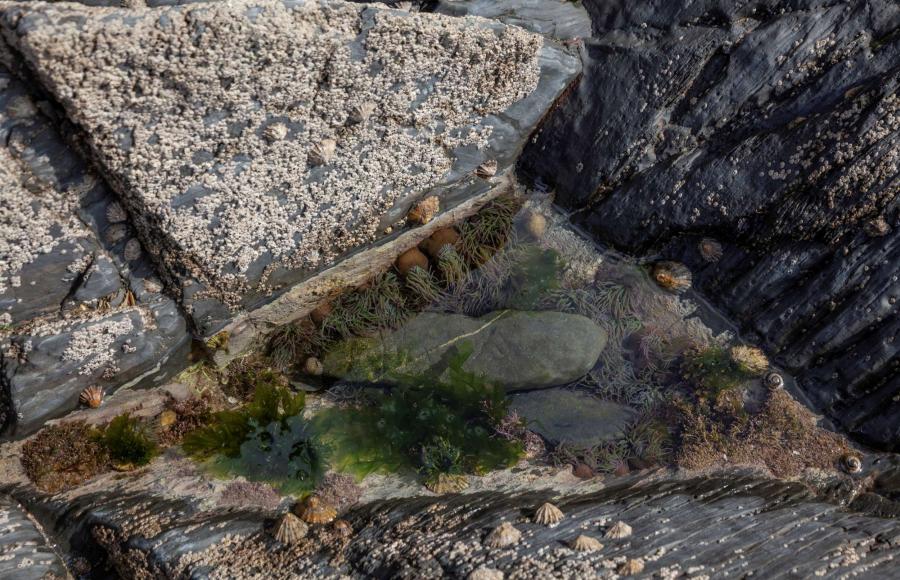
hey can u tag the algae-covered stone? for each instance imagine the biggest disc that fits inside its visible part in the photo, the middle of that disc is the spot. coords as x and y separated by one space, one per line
572 416
520 350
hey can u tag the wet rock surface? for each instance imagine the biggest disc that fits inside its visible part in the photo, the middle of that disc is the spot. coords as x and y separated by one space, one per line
692 526
516 349
773 128
562 415
24 550
78 309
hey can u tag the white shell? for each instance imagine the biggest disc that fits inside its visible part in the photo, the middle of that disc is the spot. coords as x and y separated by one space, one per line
503 536
774 380
290 529
322 152
487 169
485 573
548 515
361 113
275 132
617 531
586 544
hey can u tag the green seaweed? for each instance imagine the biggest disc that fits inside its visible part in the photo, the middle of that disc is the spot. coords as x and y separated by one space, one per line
128 442
712 371
266 440
440 422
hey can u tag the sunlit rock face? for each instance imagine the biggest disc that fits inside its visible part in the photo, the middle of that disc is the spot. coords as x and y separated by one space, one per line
772 128
256 142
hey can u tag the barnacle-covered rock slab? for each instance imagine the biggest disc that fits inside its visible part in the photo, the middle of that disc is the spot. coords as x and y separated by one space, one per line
27 553
75 310
180 124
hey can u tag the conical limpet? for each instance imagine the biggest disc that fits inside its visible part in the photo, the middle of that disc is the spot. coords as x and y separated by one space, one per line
630 567
447 483
360 113
485 573
586 544
617 531
290 529
275 132
322 152
673 276
503 536
548 515
710 250
315 511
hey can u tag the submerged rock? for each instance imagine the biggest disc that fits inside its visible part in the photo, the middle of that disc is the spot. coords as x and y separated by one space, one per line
519 350
572 416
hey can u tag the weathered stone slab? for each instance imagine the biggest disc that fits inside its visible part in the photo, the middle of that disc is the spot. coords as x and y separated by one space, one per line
214 153
81 304
560 19
564 415
519 350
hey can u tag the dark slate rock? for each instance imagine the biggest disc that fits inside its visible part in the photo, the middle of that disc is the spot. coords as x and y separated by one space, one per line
773 128
25 553
723 525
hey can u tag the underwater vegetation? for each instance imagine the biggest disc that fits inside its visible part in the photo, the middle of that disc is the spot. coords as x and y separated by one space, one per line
128 442
487 231
266 440
437 424
714 370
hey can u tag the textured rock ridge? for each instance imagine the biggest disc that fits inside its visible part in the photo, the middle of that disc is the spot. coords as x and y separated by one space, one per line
774 128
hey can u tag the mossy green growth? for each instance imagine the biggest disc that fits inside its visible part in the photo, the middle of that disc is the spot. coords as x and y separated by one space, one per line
266 440
127 441
712 371
426 424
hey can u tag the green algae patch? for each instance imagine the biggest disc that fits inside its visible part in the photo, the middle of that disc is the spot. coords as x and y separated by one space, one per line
266 440
128 442
440 422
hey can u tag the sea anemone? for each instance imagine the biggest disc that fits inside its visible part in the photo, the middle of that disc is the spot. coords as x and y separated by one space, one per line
290 529
749 359
314 510
503 536
422 283
91 397
548 515
410 259
673 276
617 531
586 544
424 211
710 250
452 265
436 241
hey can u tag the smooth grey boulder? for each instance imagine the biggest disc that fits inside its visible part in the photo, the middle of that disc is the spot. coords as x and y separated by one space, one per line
516 349
252 164
564 415
774 128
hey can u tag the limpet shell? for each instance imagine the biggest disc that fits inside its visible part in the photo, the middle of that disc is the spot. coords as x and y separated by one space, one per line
91 397
586 544
503 536
322 152
487 169
290 529
315 511
548 515
617 531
